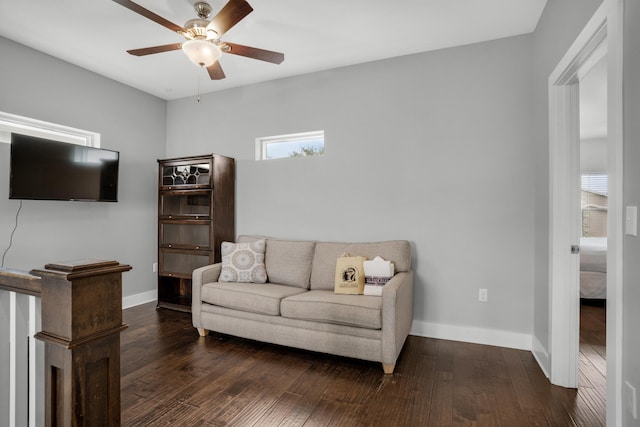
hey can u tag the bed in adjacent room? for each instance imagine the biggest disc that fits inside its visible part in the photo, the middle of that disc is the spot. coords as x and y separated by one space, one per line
593 267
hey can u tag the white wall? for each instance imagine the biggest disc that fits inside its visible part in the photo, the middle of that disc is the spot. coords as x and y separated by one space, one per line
39 86
631 249
434 148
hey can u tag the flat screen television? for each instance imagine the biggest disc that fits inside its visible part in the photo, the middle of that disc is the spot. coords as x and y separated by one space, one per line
43 169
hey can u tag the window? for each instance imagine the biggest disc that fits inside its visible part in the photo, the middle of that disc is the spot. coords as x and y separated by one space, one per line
594 204
17 124
292 145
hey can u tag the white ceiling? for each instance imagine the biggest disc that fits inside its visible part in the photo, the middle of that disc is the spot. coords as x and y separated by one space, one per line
318 35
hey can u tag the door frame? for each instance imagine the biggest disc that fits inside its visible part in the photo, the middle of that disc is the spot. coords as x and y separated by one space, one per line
603 33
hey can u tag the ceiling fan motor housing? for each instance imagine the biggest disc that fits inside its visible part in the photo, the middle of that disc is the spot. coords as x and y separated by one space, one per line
203 9
196 28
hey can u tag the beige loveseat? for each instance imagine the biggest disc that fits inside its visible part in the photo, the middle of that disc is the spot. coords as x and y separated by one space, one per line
297 307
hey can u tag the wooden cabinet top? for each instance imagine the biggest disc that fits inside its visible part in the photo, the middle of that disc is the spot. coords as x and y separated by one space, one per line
194 172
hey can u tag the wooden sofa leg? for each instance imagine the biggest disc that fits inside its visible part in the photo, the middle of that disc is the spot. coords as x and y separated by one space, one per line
203 332
388 369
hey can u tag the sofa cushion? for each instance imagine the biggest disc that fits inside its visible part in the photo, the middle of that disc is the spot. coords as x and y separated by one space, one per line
288 262
326 253
243 262
323 273
256 298
396 251
325 306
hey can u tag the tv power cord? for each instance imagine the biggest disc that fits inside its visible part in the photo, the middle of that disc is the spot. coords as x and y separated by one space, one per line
15 227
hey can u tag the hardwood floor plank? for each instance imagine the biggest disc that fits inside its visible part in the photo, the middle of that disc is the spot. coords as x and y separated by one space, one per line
388 410
486 409
251 402
322 414
592 355
352 385
593 405
280 410
509 411
310 389
441 413
464 387
420 393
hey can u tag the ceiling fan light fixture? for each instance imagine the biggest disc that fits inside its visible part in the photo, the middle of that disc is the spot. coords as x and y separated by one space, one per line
201 52
212 34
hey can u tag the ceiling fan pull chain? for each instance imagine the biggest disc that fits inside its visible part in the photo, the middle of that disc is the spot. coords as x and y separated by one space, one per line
199 78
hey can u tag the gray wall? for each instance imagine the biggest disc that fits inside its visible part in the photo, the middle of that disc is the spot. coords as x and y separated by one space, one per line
593 155
39 86
631 248
559 25
434 148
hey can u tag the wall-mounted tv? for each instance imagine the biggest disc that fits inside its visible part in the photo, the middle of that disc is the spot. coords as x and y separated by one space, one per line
42 169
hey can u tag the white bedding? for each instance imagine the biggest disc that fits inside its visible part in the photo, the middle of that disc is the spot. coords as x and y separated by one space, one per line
593 267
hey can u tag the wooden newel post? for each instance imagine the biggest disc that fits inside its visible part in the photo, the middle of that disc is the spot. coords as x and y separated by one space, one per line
81 325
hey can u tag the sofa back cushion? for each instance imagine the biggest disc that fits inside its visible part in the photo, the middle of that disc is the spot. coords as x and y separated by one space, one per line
326 253
323 272
288 262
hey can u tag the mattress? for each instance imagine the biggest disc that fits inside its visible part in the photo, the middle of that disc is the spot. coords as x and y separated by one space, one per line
593 267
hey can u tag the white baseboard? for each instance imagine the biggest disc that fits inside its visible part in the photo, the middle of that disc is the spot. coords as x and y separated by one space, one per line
137 299
542 356
494 337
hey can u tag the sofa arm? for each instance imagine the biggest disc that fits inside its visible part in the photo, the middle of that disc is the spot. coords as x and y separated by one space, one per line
200 276
397 316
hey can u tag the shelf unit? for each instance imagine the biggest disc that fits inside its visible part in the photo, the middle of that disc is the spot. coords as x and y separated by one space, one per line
196 213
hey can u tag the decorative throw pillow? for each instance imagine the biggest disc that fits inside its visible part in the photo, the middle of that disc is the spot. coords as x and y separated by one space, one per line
243 262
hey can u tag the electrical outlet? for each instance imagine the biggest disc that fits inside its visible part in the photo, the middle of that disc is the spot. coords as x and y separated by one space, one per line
630 400
154 267
483 295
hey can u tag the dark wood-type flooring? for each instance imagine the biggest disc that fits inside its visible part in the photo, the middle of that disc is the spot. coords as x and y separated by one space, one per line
171 376
592 365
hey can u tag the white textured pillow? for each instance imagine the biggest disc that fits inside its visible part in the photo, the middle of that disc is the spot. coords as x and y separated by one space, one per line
243 262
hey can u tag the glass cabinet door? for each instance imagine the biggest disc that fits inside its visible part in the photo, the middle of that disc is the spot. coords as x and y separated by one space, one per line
192 205
181 264
191 175
191 235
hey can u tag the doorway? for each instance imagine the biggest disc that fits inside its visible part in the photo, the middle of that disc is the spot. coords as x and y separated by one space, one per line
592 89
602 35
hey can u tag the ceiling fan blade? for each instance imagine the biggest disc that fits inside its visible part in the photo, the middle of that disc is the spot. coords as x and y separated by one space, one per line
232 13
150 15
255 53
155 49
215 71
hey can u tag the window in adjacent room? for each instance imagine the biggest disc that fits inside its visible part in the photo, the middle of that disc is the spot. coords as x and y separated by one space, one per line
293 145
594 203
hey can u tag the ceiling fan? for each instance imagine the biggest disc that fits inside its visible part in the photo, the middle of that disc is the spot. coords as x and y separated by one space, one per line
203 45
